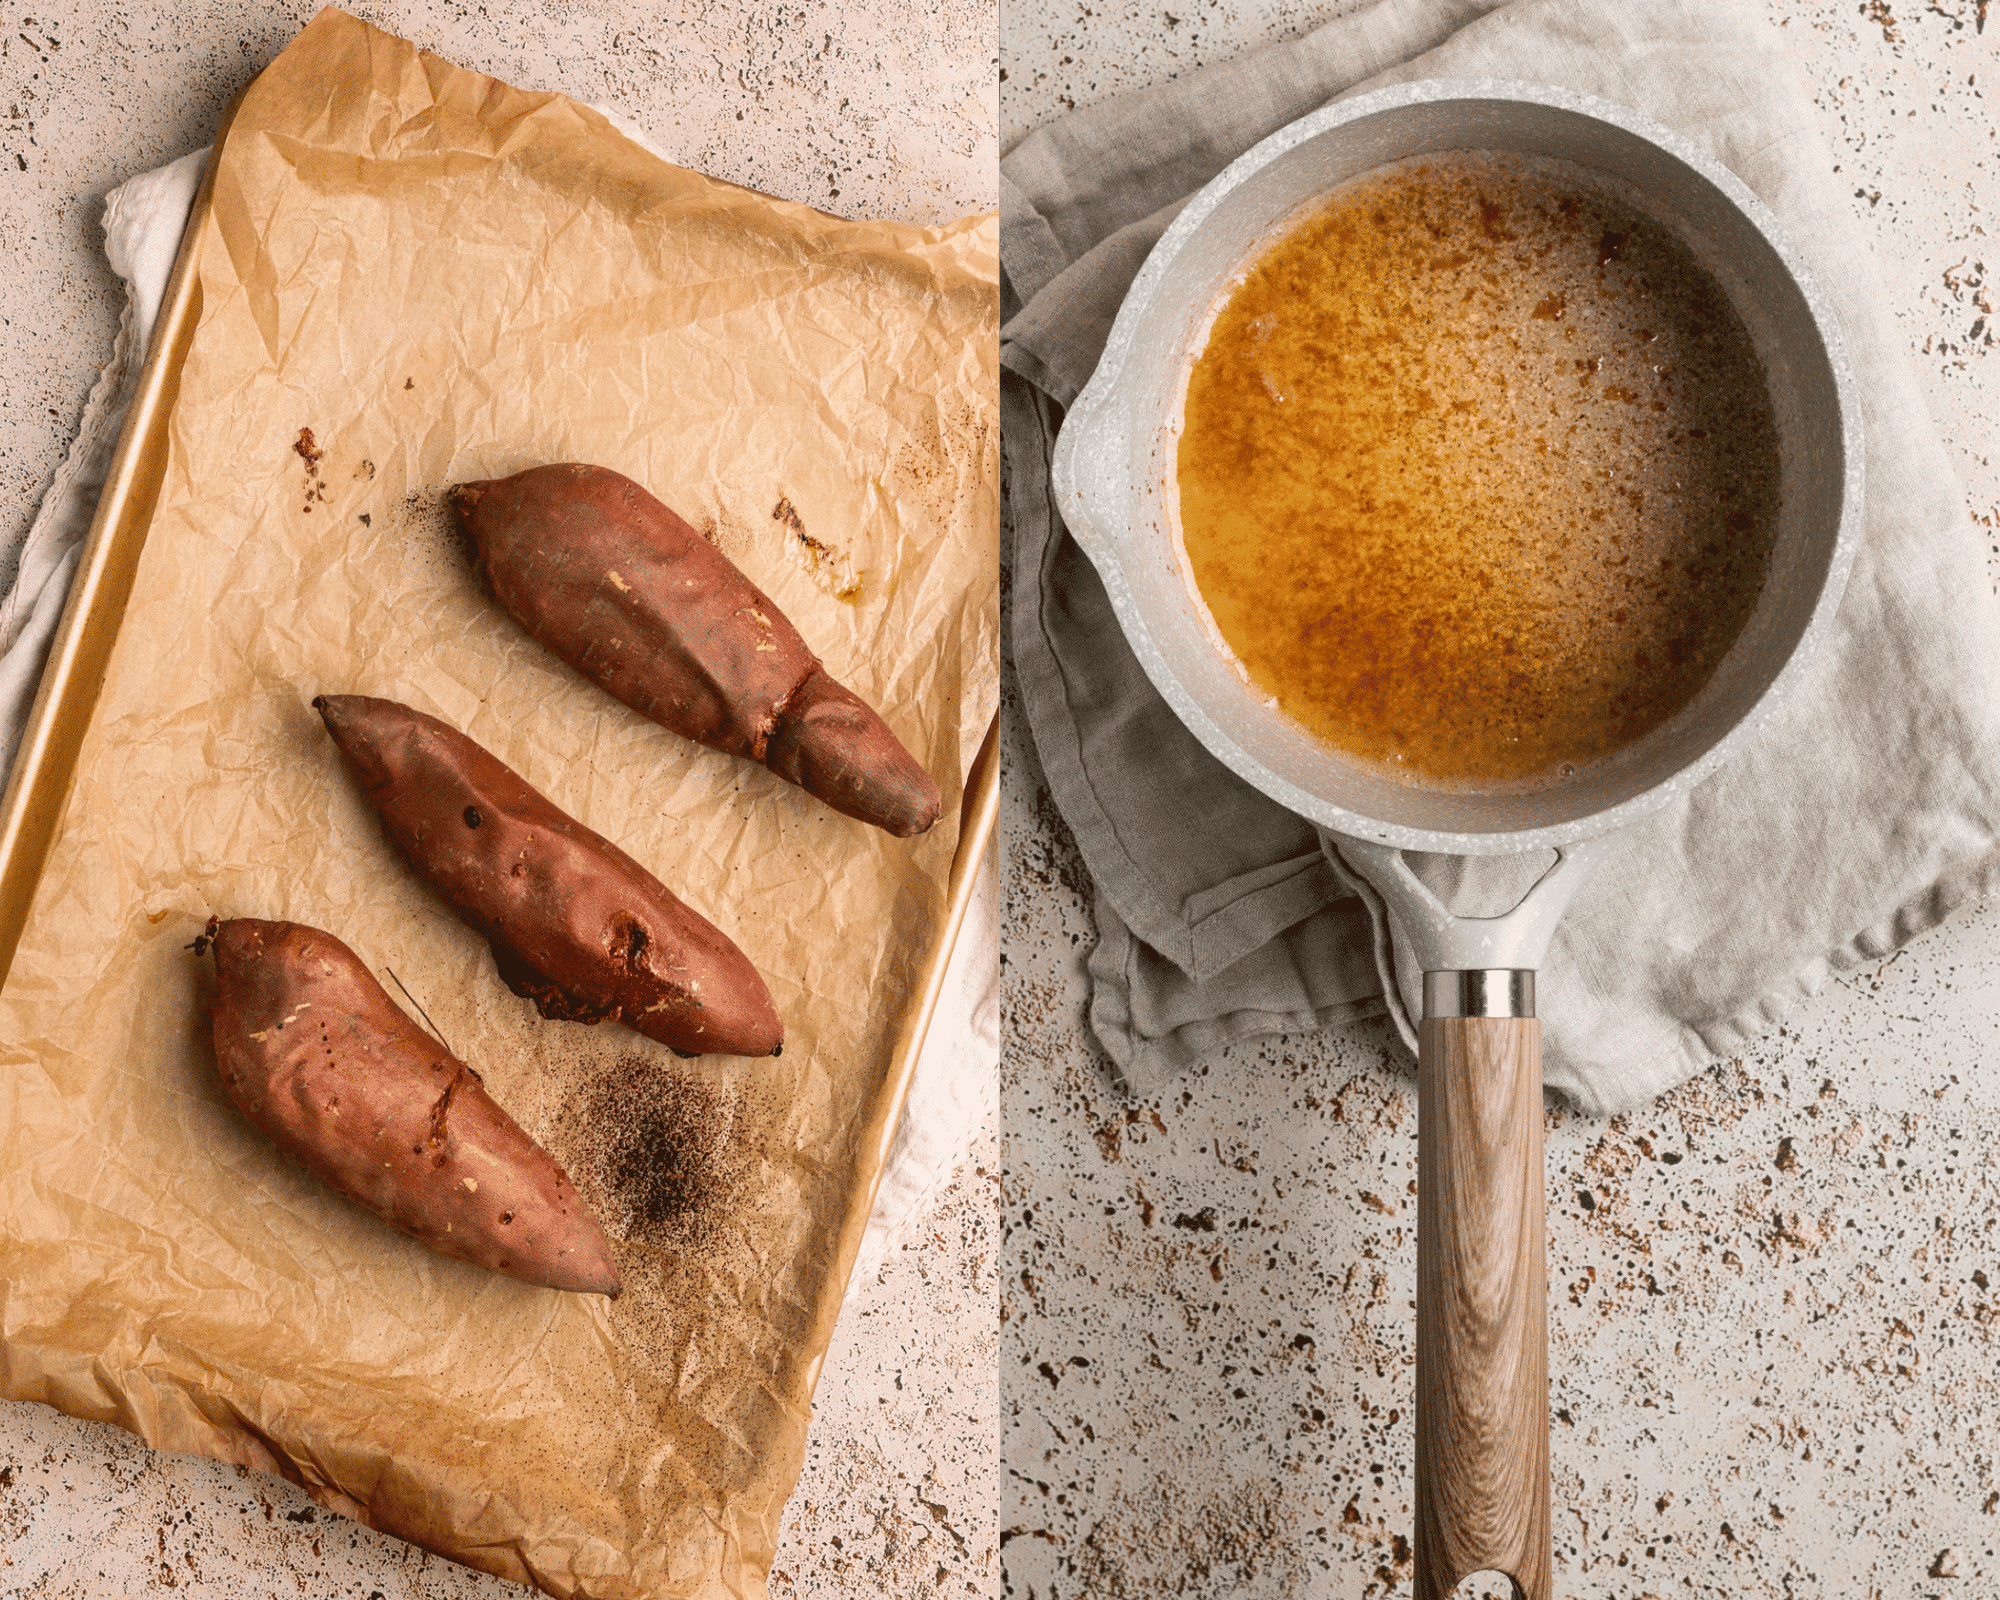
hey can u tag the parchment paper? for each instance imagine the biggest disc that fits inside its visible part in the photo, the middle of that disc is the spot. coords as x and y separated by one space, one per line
444 278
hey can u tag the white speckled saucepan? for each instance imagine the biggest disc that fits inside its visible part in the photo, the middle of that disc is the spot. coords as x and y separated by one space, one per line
1482 1481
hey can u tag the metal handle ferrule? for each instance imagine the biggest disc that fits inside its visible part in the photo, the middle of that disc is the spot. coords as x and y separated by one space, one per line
1495 992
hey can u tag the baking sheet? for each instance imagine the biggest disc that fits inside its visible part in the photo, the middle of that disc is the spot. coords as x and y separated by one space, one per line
439 278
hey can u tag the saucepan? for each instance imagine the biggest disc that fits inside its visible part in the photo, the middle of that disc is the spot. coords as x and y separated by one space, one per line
1482 1462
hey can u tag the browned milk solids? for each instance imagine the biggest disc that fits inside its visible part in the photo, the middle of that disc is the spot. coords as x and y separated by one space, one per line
1479 474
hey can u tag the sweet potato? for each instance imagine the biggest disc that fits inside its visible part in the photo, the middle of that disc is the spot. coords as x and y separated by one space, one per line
621 588
576 925
319 1058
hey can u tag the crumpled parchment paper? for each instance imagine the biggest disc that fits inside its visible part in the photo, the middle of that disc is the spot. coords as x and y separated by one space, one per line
412 275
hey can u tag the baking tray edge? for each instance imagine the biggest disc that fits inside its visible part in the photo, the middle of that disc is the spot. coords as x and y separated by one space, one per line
38 787
80 653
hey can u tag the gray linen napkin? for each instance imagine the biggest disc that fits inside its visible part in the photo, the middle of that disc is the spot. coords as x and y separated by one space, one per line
1863 813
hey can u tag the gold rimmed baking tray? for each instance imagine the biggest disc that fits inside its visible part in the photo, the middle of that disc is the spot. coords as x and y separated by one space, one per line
164 1269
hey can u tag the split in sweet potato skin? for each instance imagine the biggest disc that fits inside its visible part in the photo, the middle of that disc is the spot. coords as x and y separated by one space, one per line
576 925
605 576
318 1058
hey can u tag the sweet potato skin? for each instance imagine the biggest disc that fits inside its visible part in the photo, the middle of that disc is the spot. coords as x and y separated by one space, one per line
576 925
317 1056
830 743
605 576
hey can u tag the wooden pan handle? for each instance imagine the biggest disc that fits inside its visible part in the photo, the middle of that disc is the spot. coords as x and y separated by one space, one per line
1482 1308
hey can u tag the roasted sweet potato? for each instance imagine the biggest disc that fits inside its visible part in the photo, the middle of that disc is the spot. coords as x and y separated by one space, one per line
601 573
319 1058
576 925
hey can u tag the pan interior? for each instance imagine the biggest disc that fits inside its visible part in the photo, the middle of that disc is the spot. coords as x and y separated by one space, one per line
1230 714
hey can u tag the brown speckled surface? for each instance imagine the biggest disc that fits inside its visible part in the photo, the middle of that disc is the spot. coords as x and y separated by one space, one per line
1774 1293
883 108
896 1499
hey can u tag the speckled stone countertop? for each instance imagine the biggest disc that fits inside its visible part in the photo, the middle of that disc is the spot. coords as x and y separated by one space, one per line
882 108
1775 1293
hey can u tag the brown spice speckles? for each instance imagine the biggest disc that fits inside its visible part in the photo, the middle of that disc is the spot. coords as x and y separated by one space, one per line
680 1166
420 529
653 1150
1234 1535
1705 1281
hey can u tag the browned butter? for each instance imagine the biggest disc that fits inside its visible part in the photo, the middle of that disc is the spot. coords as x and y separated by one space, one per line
1478 472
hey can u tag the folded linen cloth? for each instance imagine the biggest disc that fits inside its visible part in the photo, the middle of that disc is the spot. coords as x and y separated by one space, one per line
953 1091
1861 814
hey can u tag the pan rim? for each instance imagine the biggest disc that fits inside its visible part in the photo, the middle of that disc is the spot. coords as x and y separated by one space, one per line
1093 420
